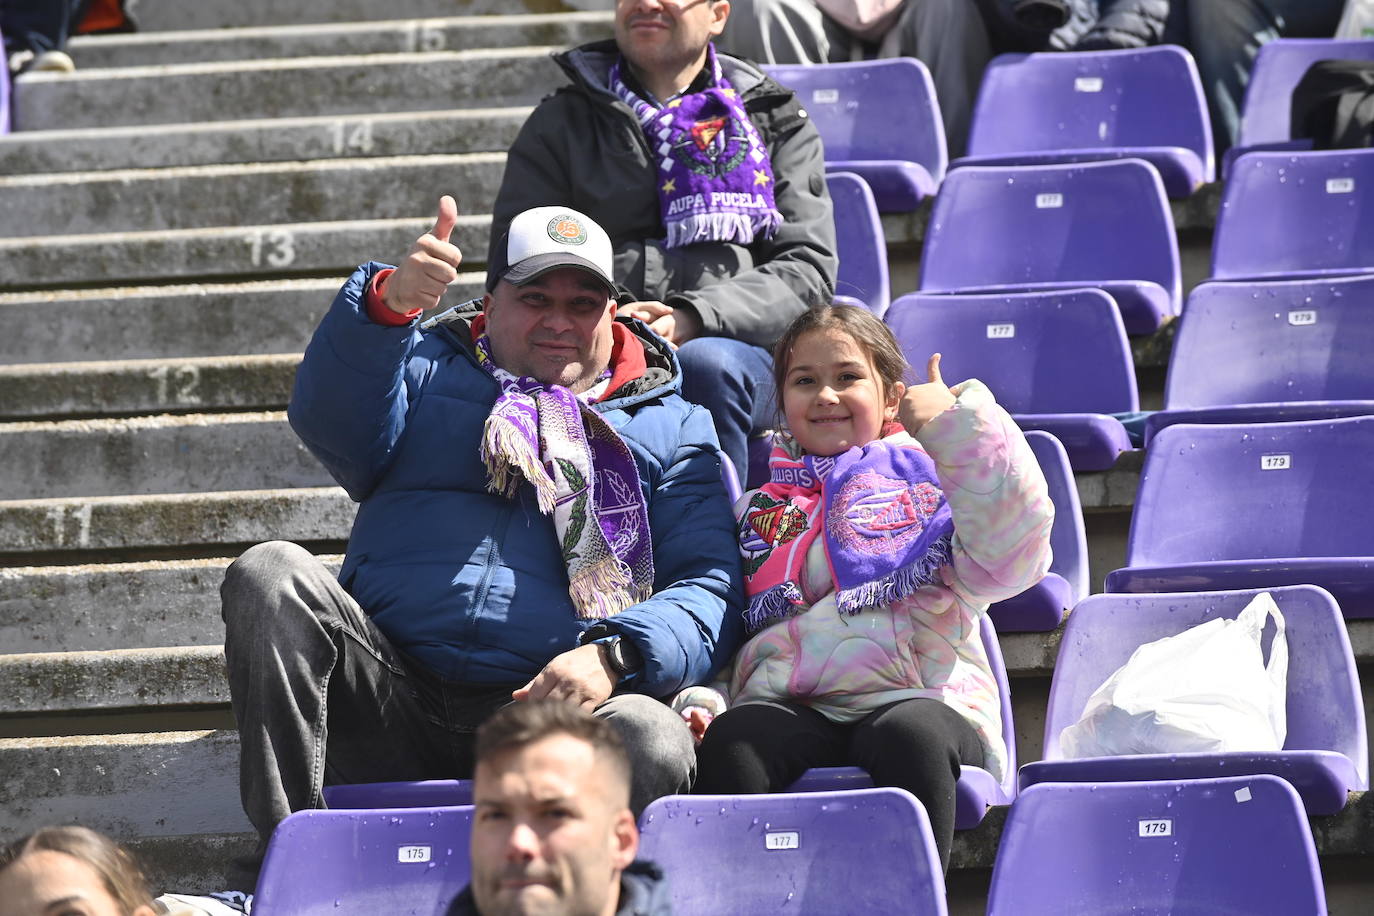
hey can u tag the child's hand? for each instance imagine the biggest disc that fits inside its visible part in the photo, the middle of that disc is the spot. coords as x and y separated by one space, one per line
698 720
922 402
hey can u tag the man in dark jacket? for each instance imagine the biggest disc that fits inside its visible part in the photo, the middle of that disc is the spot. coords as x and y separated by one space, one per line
552 831
710 180
540 516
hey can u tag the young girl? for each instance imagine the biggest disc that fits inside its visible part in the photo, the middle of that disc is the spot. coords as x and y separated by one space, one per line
869 559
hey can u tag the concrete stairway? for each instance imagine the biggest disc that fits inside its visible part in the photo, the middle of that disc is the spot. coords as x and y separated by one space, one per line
177 215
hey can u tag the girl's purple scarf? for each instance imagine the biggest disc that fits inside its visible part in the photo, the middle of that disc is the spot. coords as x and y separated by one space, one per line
887 527
715 181
581 471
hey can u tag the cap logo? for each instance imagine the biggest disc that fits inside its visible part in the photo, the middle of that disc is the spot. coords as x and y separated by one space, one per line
568 230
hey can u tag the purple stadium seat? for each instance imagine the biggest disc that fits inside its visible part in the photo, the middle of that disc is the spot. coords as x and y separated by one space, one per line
1290 216
1325 755
860 243
5 90
1041 607
879 119
412 860
1021 228
1271 350
976 789
1252 505
1058 360
1092 105
1266 115
812 854
730 478
430 793
1213 846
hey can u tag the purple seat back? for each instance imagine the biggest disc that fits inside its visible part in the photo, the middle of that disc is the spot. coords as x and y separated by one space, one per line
1238 491
1266 115
871 110
1046 352
400 860
5 90
1296 214
1274 341
859 240
729 478
809 853
429 793
1233 845
1325 709
1068 537
1134 98
1088 223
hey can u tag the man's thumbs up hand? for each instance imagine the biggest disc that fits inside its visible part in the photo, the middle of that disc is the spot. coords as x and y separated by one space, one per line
432 264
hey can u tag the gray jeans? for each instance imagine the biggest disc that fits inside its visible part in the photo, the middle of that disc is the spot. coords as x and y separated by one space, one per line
320 696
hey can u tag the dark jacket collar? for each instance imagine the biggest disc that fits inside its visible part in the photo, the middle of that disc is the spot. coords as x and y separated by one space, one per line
643 892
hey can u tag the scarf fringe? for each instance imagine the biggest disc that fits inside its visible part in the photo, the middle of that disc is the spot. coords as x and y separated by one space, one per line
897 584
603 589
777 603
508 457
722 227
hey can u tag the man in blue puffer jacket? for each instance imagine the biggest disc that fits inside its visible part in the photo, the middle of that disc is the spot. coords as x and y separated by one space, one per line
541 516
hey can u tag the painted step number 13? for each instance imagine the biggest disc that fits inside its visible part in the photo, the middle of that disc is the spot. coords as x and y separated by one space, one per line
275 248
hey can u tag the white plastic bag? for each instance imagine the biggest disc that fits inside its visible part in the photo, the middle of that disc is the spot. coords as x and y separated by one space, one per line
1206 689
1358 20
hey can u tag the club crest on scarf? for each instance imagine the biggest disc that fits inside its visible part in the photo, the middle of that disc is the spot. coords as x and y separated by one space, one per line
715 179
583 475
886 523
767 524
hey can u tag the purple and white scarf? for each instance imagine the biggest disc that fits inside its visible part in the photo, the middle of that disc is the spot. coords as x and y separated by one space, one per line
581 471
715 180
886 521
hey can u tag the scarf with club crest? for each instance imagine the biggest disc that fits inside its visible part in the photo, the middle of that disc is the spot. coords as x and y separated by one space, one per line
583 475
886 521
715 181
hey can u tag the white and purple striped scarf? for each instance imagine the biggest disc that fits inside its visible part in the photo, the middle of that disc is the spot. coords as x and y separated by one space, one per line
715 180
583 475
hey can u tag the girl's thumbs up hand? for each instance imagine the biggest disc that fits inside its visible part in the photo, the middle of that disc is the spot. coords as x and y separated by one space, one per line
922 402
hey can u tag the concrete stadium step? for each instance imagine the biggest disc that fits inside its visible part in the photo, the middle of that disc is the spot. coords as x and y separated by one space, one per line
113 680
126 387
176 93
160 322
116 526
402 133
99 607
192 197
177 14
186 453
160 784
337 39
237 253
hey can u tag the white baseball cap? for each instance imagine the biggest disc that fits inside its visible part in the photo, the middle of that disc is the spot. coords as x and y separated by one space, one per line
546 238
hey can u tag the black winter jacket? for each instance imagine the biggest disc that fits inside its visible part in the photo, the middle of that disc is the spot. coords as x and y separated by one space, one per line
583 147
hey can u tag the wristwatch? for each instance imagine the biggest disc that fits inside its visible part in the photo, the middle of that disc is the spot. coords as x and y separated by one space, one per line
623 657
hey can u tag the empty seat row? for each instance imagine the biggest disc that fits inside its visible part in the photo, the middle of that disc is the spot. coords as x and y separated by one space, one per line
881 119
1229 844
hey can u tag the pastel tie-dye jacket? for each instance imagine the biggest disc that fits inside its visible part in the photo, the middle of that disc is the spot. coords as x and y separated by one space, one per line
927 644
